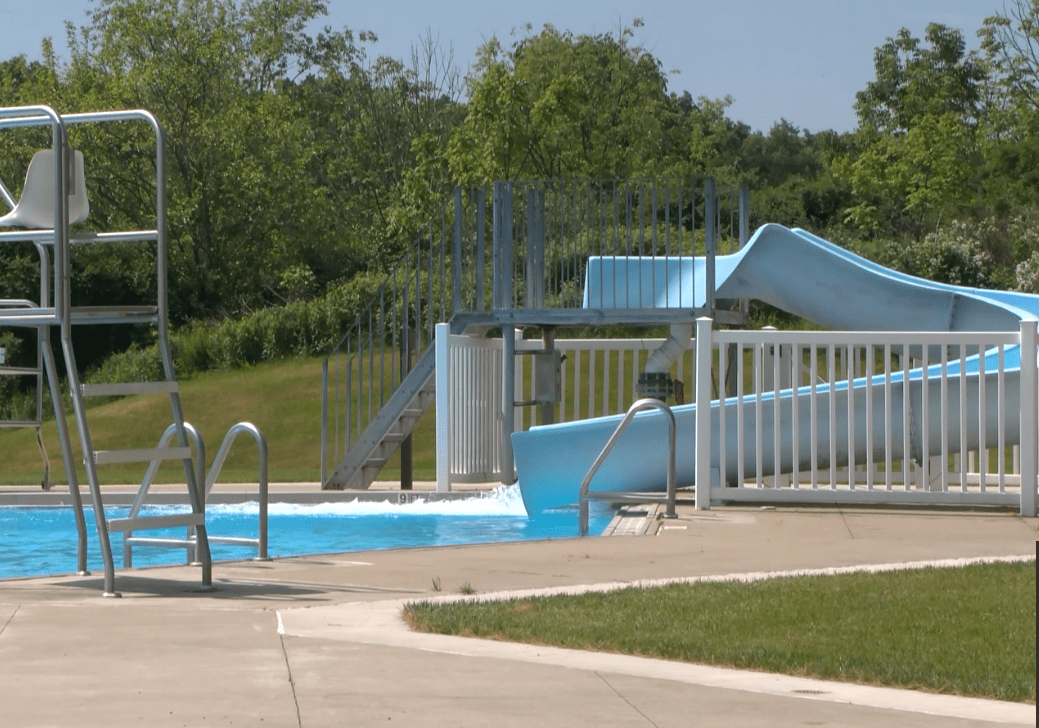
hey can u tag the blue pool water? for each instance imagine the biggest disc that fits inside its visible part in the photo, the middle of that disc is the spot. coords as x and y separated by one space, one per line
39 541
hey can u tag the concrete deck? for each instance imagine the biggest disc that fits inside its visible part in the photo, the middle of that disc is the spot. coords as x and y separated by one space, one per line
317 641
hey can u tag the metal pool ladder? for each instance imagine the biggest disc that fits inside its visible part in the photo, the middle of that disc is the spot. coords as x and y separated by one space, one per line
190 542
585 496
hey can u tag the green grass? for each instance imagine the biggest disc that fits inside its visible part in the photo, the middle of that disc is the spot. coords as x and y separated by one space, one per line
964 631
283 399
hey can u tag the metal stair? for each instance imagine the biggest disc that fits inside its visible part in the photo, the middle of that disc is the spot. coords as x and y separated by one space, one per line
395 421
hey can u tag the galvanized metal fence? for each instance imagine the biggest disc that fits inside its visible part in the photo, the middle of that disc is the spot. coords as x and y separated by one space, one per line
491 251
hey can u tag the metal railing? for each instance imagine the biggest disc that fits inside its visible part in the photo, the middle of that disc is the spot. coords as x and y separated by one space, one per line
513 252
585 495
260 542
190 541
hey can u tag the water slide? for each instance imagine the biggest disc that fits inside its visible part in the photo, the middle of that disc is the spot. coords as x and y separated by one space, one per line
807 276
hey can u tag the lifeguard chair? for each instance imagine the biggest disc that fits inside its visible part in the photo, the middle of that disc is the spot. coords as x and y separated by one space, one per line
53 198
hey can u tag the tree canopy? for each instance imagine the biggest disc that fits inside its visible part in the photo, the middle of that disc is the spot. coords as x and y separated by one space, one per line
300 160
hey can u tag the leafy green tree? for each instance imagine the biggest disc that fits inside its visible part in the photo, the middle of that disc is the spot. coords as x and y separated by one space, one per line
1010 41
217 73
380 131
557 105
918 133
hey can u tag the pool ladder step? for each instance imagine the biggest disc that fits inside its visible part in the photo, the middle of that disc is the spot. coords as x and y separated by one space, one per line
195 542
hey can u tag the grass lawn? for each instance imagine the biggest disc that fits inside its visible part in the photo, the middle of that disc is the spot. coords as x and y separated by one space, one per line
282 398
964 631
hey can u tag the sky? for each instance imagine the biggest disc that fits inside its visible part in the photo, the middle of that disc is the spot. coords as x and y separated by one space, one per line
799 60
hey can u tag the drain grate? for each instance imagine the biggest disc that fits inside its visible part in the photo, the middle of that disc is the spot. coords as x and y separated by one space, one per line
809 692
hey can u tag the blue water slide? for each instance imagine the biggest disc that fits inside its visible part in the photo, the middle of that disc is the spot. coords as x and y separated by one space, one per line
812 278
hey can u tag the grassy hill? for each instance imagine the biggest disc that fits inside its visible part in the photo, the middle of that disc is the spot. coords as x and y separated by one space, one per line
283 399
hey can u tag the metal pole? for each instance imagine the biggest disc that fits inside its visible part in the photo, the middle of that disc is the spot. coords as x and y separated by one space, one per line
324 422
66 451
710 238
1028 390
704 347
548 408
442 343
744 214
508 403
407 470
456 298
744 236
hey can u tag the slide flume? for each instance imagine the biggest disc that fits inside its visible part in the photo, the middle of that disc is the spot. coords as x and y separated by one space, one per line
811 278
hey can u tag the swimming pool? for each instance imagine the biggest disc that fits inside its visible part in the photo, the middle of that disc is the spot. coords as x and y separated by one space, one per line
37 541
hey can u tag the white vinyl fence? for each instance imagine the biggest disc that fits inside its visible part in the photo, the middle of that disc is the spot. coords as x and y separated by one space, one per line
848 417
950 438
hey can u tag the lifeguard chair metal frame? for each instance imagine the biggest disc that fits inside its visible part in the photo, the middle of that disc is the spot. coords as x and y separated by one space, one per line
55 310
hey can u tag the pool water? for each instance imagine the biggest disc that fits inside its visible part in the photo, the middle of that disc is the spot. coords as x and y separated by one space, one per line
40 541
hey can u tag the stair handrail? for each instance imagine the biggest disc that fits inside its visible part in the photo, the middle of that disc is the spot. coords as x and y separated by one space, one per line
638 406
149 477
260 542
153 468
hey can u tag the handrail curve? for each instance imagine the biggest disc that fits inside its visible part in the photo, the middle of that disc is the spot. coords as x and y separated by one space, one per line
639 406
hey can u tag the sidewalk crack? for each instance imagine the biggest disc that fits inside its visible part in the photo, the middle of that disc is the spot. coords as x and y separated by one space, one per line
630 704
844 520
9 619
292 683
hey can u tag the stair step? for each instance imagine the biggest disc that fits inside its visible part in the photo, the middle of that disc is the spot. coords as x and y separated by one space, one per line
15 371
141 455
169 543
114 314
117 389
141 523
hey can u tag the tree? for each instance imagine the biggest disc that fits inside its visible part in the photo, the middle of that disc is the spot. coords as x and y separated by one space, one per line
217 73
1010 41
558 105
1011 45
380 132
918 132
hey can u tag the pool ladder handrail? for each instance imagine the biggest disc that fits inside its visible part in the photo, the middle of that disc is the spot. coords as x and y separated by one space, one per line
259 543
585 495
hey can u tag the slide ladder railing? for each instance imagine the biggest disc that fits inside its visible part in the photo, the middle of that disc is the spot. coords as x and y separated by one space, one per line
507 255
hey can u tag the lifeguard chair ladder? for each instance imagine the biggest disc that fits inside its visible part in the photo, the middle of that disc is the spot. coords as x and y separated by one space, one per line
56 178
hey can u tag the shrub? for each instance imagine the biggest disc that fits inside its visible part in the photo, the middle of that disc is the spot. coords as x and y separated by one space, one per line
300 328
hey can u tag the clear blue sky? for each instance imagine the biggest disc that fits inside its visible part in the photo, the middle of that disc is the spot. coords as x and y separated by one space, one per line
802 60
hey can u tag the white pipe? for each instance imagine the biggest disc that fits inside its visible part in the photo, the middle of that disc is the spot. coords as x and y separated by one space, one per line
671 350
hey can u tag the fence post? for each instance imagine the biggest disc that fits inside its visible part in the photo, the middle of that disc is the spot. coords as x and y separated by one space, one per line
1029 443
324 421
744 215
710 211
456 278
443 405
407 460
704 346
507 465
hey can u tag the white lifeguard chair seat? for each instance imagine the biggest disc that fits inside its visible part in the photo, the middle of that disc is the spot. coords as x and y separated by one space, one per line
35 208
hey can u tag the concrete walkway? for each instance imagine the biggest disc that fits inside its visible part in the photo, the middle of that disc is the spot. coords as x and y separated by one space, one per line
317 641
